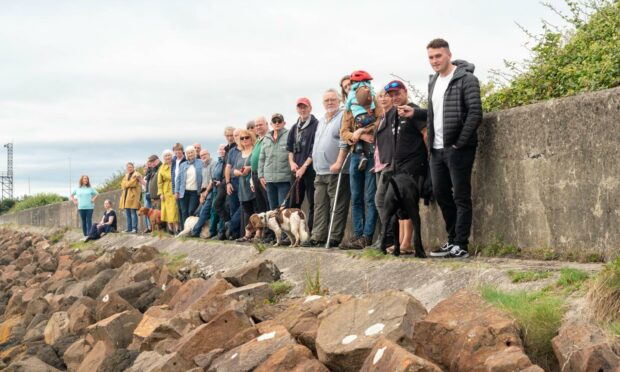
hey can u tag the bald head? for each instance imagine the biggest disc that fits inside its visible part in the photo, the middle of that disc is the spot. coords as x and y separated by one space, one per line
260 126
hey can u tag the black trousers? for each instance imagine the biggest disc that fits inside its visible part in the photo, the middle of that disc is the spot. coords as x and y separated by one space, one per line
221 208
262 203
451 175
305 186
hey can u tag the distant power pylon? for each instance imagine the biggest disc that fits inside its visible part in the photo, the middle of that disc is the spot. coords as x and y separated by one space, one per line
6 178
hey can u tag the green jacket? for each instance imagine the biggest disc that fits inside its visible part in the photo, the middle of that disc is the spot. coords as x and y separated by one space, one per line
273 160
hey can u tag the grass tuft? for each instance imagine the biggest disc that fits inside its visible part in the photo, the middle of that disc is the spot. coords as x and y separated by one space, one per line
538 314
173 261
260 247
58 235
604 295
280 289
82 246
497 248
312 281
572 279
527 276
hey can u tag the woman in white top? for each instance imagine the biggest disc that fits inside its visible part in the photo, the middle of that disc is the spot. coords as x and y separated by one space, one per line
188 185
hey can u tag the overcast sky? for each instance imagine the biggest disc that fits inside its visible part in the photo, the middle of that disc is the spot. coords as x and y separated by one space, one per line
106 82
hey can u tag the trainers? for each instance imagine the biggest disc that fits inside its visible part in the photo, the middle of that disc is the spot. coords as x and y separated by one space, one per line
457 252
362 166
442 251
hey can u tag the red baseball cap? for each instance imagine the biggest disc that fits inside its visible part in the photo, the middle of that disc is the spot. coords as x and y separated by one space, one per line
304 101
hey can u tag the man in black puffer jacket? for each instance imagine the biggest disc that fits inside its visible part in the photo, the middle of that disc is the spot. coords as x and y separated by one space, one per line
454 114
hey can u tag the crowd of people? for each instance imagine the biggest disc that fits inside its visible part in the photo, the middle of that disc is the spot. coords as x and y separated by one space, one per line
343 159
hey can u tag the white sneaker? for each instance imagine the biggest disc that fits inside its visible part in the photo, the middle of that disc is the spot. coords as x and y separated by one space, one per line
457 252
442 251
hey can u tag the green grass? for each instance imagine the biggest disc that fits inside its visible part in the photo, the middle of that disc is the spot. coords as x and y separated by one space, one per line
260 247
370 254
173 261
614 328
312 281
572 279
538 314
82 246
527 276
280 289
604 295
57 235
497 248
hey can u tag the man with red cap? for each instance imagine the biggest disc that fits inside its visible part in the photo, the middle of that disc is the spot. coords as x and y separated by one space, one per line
361 116
299 146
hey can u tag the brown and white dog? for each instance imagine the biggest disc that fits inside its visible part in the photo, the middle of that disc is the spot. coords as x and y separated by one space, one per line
291 221
154 216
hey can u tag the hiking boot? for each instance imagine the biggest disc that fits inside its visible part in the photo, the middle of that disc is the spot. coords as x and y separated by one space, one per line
457 252
360 243
442 251
334 243
349 244
362 166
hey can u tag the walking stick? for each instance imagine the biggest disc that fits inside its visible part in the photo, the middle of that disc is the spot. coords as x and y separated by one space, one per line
331 220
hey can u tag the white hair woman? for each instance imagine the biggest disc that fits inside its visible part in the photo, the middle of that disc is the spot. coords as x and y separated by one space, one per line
169 210
188 184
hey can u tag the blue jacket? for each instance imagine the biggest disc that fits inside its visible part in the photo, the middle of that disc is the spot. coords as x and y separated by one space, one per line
173 169
180 186
218 171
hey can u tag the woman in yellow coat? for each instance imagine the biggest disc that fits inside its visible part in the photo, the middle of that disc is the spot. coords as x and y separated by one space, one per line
169 210
130 197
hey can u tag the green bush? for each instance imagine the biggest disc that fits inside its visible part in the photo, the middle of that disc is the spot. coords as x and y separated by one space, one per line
584 58
6 205
37 200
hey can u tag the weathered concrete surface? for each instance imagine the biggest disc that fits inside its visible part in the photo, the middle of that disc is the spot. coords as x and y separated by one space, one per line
546 175
429 280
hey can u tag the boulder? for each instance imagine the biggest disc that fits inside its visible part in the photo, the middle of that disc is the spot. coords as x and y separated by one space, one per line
75 354
97 283
81 314
119 360
120 256
85 270
9 329
347 334
161 323
46 354
63 344
466 341
509 359
390 357
144 253
32 364
109 305
301 317
257 293
582 346
151 361
196 293
169 289
95 357
117 330
250 355
204 360
214 334
296 358
57 327
35 333
254 272
132 280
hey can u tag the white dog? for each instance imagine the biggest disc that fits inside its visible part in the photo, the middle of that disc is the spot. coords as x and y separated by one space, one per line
190 222
292 222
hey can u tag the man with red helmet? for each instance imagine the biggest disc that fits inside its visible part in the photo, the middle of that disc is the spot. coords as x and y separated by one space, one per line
361 116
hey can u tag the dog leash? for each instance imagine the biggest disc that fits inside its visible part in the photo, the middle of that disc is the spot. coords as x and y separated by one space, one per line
288 194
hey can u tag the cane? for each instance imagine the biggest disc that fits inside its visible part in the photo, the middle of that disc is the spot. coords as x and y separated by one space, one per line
331 220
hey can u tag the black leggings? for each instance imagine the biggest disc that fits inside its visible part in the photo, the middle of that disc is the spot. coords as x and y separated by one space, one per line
249 208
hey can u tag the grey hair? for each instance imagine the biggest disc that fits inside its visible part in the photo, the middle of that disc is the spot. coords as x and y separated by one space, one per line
332 90
190 148
166 152
229 129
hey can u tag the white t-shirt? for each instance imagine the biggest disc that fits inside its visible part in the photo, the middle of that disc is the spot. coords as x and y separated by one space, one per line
438 94
190 179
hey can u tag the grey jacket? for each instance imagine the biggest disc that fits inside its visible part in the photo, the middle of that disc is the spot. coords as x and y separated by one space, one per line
462 108
273 160
207 173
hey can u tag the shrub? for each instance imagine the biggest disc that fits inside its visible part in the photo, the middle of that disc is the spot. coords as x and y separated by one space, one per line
37 200
604 295
585 57
6 205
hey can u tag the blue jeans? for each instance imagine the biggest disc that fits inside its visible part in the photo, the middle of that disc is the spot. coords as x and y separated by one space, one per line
363 190
203 215
276 193
147 204
189 203
86 215
235 212
132 219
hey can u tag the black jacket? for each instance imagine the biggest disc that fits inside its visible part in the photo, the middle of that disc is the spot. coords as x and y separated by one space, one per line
462 108
306 140
410 143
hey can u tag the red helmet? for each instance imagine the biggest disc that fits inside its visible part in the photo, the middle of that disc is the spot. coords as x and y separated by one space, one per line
360 75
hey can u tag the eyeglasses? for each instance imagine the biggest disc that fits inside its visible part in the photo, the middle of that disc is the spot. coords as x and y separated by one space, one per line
394 84
277 121
244 138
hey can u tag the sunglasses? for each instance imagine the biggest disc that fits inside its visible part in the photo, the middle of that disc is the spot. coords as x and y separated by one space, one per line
244 138
393 85
277 121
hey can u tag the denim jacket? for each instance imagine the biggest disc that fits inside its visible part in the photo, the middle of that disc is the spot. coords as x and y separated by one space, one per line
179 187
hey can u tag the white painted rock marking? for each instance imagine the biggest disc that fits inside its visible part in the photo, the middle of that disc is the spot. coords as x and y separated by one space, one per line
266 336
350 338
378 355
374 329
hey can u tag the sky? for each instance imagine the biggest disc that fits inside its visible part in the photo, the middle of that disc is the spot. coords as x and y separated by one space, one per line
86 86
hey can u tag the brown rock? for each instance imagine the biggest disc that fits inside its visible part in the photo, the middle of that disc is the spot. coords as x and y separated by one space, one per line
170 289
32 364
160 323
116 330
506 360
144 253
95 358
347 334
132 280
75 354
97 283
250 355
389 357
257 293
109 305
254 272
195 293
296 358
57 327
85 270
464 342
213 334
64 263
301 317
581 346
81 314
8 329
119 257
204 360
151 361
36 332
